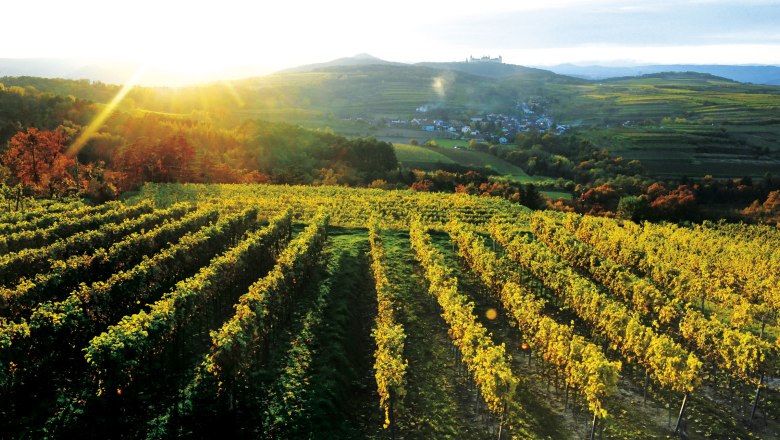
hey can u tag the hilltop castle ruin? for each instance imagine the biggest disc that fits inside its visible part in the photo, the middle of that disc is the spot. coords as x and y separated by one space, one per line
485 59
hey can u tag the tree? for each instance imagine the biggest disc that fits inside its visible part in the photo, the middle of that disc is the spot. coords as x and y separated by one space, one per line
167 160
676 204
36 161
633 208
599 200
98 183
768 212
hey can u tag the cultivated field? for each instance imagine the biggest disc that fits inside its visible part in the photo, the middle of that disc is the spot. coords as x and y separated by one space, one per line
256 311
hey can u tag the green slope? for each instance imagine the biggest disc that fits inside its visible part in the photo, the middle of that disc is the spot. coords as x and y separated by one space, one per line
428 158
675 123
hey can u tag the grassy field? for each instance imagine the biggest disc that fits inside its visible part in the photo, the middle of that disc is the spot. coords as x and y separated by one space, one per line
427 157
415 156
555 195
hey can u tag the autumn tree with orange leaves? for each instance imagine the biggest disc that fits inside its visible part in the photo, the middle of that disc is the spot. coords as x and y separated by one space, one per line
164 160
36 160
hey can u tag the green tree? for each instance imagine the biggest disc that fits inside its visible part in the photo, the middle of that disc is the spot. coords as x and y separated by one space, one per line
633 208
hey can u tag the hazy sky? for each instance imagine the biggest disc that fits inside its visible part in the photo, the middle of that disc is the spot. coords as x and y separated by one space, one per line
212 35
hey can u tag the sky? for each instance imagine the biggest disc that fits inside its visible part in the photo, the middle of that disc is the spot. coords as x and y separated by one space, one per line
206 37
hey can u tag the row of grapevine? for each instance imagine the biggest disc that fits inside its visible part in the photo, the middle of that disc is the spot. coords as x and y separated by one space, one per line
736 267
764 237
45 208
115 355
267 301
349 207
290 396
582 363
643 296
686 276
753 262
489 363
670 364
50 218
258 312
389 364
66 227
55 326
742 355
29 262
65 276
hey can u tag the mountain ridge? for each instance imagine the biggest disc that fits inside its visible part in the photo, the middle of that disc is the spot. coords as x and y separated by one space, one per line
120 72
755 74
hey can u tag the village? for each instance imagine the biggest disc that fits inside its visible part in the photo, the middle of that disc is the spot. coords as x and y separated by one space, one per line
494 128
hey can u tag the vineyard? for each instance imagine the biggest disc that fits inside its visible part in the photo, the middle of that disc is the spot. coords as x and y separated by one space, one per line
254 311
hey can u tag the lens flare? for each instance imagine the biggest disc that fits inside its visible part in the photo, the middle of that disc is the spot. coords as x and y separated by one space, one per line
96 123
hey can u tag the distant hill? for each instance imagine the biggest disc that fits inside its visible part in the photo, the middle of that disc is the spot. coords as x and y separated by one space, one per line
493 70
110 72
676 123
362 59
769 75
672 77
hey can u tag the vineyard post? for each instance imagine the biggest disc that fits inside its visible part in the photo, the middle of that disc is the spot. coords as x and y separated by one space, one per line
758 393
761 379
682 412
392 415
501 422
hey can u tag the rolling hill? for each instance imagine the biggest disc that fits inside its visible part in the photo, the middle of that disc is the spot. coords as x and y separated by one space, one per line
769 75
675 123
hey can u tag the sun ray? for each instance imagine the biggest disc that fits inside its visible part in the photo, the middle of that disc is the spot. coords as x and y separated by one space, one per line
96 123
233 93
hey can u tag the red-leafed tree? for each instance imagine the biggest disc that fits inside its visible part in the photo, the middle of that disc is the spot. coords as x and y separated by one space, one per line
678 203
36 160
166 160
600 200
768 212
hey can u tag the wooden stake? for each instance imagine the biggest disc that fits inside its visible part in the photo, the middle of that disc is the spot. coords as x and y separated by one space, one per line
758 393
682 412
